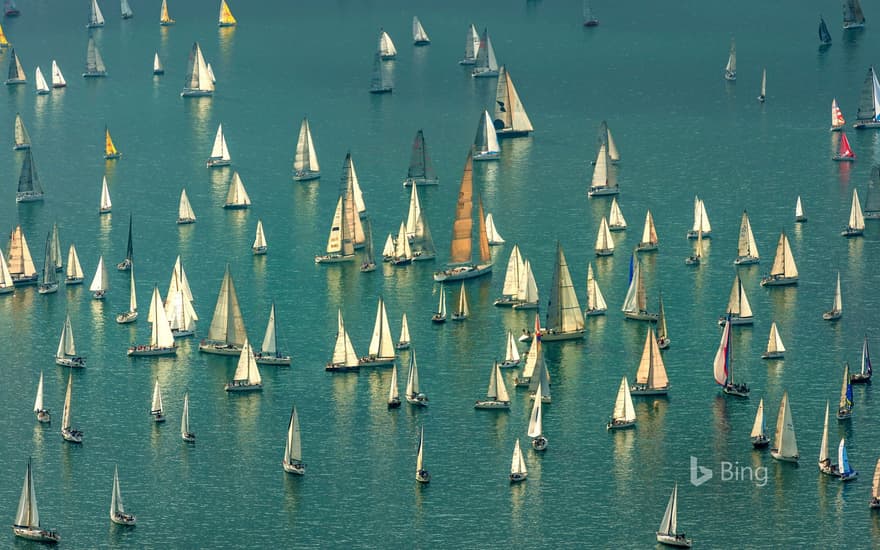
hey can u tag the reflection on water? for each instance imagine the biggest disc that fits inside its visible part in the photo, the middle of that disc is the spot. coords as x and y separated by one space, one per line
488 173
843 176
226 43
41 108
198 109
624 467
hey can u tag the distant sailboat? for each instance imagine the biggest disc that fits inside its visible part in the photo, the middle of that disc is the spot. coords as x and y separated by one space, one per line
344 358
74 273
94 62
837 120
131 315
157 409
868 115
511 279
226 19
785 444
747 248
69 433
510 118
649 241
219 152
846 470
497 396
380 83
534 357
590 19
485 64
440 315
21 140
7 286
179 310
651 378
29 187
697 257
96 18
526 290
855 227
414 395
825 465
161 338
836 310
110 151
864 374
668 532
763 95
185 213
393 394
604 240
305 161
663 340
421 169
471 46
422 474
381 351
701 221
66 355
518 471
824 35
106 205
292 461
565 320
269 352
40 410
117 508
186 432
605 138
227 333
730 68
853 18
259 247
616 221
27 518
759 430
125 10
164 18
386 46
775 347
872 197
596 304
40 82
739 311
845 406
100 282
492 233
126 264
624 414
404 341
845 152
369 262
602 184
536 423
4 42
158 69
635 304
55 249
486 140
799 216
874 503
723 366
20 262
49 283
247 374
197 81
512 356
784 270
403 254
340 244
462 311
420 37
16 72
237 197
418 233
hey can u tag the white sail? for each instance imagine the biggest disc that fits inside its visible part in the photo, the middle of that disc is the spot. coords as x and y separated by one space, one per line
492 232
738 302
404 330
615 218
419 34
875 484
486 139
649 233
783 262
485 61
125 8
730 68
412 380
512 276
237 196
511 352
758 425
382 343
28 515
386 46
497 390
22 138
564 313
527 290
623 405
197 81
132 292
74 268
117 508
38 401
306 160
595 299
837 305
106 203
19 257
402 248
746 246
269 340
160 331
509 109
100 282
157 64
227 325
184 210
701 218
247 369
785 443
40 81
184 417
823 447
219 151
634 301
600 170
57 78
156 407
774 342
652 371
293 445
260 237
856 218
669 523
96 18
463 310
799 209
66 414
387 249
6 283
604 240
94 62
517 463
420 457
471 46
536 425
393 394
343 351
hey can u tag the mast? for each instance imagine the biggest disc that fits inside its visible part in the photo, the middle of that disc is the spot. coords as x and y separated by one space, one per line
306 160
269 340
462 227
227 324
509 109
563 311
758 426
669 523
293 446
28 515
651 372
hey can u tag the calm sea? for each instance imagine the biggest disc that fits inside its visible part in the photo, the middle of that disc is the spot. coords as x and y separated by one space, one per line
653 72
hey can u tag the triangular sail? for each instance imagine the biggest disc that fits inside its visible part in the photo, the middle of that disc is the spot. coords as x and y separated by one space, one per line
343 351
527 291
184 416
28 515
669 523
160 331
412 381
774 342
517 463
837 305
227 324
856 218
386 46
486 139
106 203
758 426
126 10
40 81
420 165
156 406
293 446
404 329
563 311
595 299
74 269
852 14
184 209
786 441
96 18
536 427
604 240
382 343
624 411
237 195
615 217
100 281
29 187
837 120
66 415
260 236
823 447
722 363
485 58
783 263
652 371
512 276
509 109
497 390
649 233
38 401
247 369
117 508
94 61
868 99
746 246
419 34
16 72
306 160
462 227
226 18
220 151
738 303
511 351
22 138
269 340
197 78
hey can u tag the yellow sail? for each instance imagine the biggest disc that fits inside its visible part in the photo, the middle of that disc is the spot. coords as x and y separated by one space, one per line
3 42
460 250
164 18
226 17
110 151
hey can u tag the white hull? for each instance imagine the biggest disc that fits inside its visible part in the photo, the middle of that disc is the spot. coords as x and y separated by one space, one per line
736 320
505 301
644 390
333 259
642 316
196 93
484 73
539 443
462 272
294 468
773 355
73 362
492 405
243 387
189 437
778 281
127 317
48 289
646 247
409 182
615 425
123 519
746 260
551 336
775 454
594 312
73 281
832 315
179 333
691 234
306 175
184 221
35 533
674 540
149 351
283 360
866 124
494 155
602 190
376 361
509 364
218 162
72 436
419 400
517 477
218 348
402 345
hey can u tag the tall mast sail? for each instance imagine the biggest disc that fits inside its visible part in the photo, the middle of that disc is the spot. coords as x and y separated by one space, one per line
306 160
227 324
563 311
462 227
509 109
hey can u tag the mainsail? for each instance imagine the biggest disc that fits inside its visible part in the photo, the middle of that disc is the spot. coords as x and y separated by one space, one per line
510 115
869 100
563 311
197 81
227 325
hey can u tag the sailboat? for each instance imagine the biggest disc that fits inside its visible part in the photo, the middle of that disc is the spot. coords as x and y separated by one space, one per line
485 64
227 333
590 19
663 340
386 46
22 140
775 347
125 9
440 315
164 18
7 285
157 410
185 432
49 284
57 78
649 240
210 72
74 273
759 431
510 119
27 518
855 227
55 249
259 247
845 407
668 532
161 339
853 18
117 509
739 311
40 410
40 81
872 197
269 353
461 264
185 213
837 120
69 433
534 357
624 414
697 257
486 140
403 342
595 300
601 183
403 254
94 62
292 461
864 374
380 83
179 311
422 243
799 216
247 374
100 282
381 351
784 270
492 233
340 245
512 356
845 153
96 18
824 35
197 81
616 221
219 152
635 304
527 290
66 355
110 151
511 279
462 311
393 395
825 465
497 395
305 161
723 366
565 320
605 138
414 394
874 503
518 471
763 96
421 169
422 474
730 68
846 470
701 221
536 423
836 310
226 18
237 197
106 205
16 72
4 42
132 314
868 115
344 358
20 263
651 376
604 240
158 69
747 248
785 444
29 187
420 37
471 46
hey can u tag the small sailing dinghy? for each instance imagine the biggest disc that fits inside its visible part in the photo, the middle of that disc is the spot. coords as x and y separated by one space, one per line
57 78
486 140
125 9
837 120
247 374
94 62
824 35
185 432
730 68
864 374
403 342
701 221
226 19
536 423
29 187
117 508
269 353
596 304
219 152
158 69
518 470
512 356
845 152
624 414
227 333
784 271
49 284
380 83
785 444
836 310
763 96
868 114
237 197
96 18
853 18
739 311
131 315
65 355
471 46
100 282
775 347
799 216
42 87
747 248
846 470
305 161
164 18
616 221
420 37
421 169
663 340
74 274
386 46
510 118
292 461
197 81
422 474
40 410
27 518
344 358
492 233
723 366
185 213
393 394
649 241
414 395
604 240
565 320
106 205
485 63
161 338
157 409
759 430
16 72
21 140
635 304
497 395
855 227
651 376
259 247
462 311
68 433
126 264
381 351
668 533
845 406
440 315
